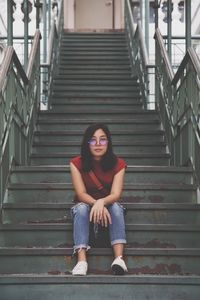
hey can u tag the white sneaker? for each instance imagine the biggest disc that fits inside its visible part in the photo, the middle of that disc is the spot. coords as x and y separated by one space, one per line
80 268
118 266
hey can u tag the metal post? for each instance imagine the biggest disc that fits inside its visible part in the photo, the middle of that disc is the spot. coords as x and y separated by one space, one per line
26 13
49 15
37 6
147 24
10 22
169 29
188 23
44 31
156 7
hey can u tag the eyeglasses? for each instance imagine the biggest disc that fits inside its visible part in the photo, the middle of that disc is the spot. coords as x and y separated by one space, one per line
102 142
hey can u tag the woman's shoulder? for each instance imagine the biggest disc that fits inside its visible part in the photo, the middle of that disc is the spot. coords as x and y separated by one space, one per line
120 164
77 162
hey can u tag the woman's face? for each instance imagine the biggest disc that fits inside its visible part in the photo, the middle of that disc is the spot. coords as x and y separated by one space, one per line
98 144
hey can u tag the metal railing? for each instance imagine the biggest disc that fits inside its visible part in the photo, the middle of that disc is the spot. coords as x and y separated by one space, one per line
178 99
19 104
49 69
138 53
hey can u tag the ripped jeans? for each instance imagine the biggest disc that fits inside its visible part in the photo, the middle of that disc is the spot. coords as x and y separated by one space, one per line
80 213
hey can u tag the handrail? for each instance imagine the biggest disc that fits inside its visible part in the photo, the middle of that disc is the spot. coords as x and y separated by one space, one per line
52 61
19 103
190 55
165 57
9 56
137 52
33 53
142 43
178 99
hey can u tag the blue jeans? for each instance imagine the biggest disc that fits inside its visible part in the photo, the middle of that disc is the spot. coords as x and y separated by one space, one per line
80 213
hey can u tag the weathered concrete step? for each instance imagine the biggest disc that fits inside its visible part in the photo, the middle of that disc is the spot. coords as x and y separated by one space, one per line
89 44
114 115
118 135
97 101
144 287
137 104
61 193
94 94
106 36
89 71
61 147
88 75
60 135
150 213
101 44
139 260
141 159
134 174
94 52
138 236
96 82
95 62
94 58
108 68
96 88
94 46
80 124
58 286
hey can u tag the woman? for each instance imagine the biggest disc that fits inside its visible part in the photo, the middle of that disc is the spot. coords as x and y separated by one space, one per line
97 197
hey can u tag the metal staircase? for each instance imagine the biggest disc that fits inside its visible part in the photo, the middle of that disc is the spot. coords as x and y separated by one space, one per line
94 83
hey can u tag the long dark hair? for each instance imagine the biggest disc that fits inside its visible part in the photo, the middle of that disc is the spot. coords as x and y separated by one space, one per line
108 160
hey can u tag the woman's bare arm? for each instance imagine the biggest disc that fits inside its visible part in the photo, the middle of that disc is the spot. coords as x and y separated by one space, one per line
79 186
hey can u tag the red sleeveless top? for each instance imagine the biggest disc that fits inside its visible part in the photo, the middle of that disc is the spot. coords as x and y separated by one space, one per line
105 177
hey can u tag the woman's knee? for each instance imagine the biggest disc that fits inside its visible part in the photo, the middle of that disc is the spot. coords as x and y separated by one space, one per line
81 209
116 210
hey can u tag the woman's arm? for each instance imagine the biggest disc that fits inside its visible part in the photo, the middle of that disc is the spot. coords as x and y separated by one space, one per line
98 209
79 186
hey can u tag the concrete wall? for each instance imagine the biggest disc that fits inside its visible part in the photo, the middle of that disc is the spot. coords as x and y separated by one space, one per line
70 15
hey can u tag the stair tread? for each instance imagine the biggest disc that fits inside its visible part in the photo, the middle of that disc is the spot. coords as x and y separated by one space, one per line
124 155
68 226
99 278
130 168
139 206
46 118
10 251
114 132
115 143
134 186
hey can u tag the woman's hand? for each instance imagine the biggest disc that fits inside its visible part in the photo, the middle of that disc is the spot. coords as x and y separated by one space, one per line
99 213
106 218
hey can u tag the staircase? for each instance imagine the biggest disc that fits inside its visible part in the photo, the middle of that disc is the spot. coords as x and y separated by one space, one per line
94 84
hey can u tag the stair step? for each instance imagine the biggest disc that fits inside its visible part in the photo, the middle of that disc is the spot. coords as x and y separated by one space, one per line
94 58
138 235
89 71
88 75
95 82
137 104
134 174
77 44
138 114
50 123
57 212
108 68
51 287
158 159
94 52
63 192
65 147
148 261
